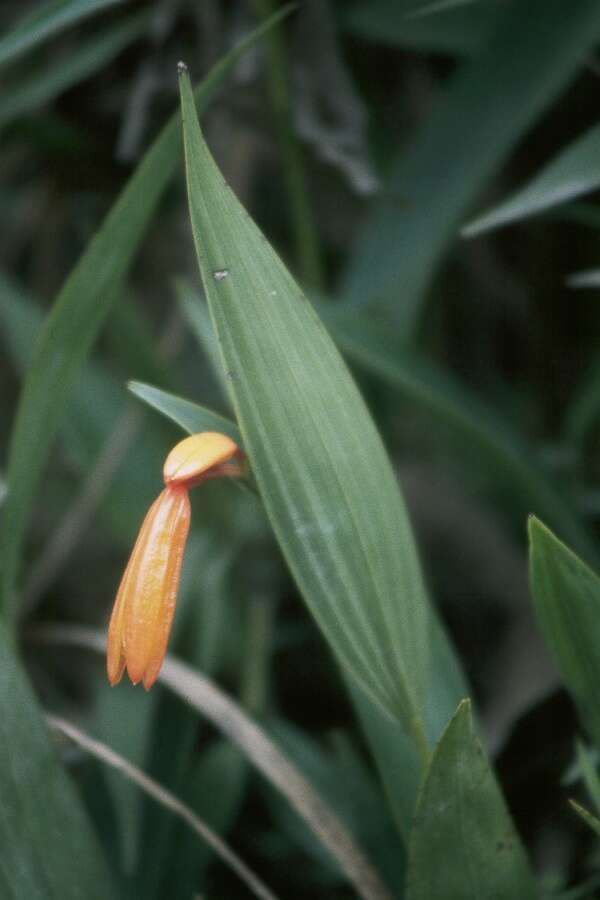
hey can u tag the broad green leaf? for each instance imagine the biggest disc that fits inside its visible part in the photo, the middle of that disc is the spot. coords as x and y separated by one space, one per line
574 172
45 82
77 316
49 851
190 416
45 21
438 392
566 594
455 31
487 107
325 480
463 844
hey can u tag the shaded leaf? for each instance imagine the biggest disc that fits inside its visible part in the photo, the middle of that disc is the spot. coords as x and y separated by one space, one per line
326 483
566 594
574 172
43 828
45 21
45 82
209 700
463 844
166 799
455 31
442 395
488 105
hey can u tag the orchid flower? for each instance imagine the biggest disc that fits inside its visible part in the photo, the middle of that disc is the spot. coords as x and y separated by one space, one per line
145 604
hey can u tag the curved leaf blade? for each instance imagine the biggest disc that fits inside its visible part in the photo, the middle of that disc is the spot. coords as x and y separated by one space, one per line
188 415
566 595
327 485
574 172
463 844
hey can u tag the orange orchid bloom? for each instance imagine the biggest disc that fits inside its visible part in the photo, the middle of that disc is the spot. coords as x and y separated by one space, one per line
143 612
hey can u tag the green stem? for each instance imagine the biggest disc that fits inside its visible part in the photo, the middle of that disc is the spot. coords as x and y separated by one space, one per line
305 234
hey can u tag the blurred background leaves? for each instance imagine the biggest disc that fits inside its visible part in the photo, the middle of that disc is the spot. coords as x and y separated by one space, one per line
362 137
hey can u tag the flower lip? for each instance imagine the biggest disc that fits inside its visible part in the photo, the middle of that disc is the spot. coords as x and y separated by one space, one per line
191 460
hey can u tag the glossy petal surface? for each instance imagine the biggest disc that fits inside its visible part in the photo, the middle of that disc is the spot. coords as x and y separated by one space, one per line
145 604
191 458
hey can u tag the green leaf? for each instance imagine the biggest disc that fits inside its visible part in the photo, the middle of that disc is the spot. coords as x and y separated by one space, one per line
45 81
48 848
489 104
189 416
463 844
325 480
566 595
439 393
77 316
399 766
574 172
45 21
457 32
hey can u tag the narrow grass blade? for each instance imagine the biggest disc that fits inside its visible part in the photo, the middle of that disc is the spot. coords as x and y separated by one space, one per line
48 847
190 416
439 393
45 21
78 315
205 697
44 82
573 173
166 799
489 104
566 595
590 820
325 480
463 844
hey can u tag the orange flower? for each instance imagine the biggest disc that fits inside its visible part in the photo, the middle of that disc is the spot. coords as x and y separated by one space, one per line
143 612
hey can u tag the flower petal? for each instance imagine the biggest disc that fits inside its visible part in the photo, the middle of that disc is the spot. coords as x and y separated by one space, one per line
191 458
151 582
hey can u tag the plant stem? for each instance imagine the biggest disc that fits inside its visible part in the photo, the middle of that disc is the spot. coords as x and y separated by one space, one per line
305 234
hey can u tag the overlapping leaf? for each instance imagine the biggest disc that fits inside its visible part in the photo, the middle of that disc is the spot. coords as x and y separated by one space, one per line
566 593
327 485
463 844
